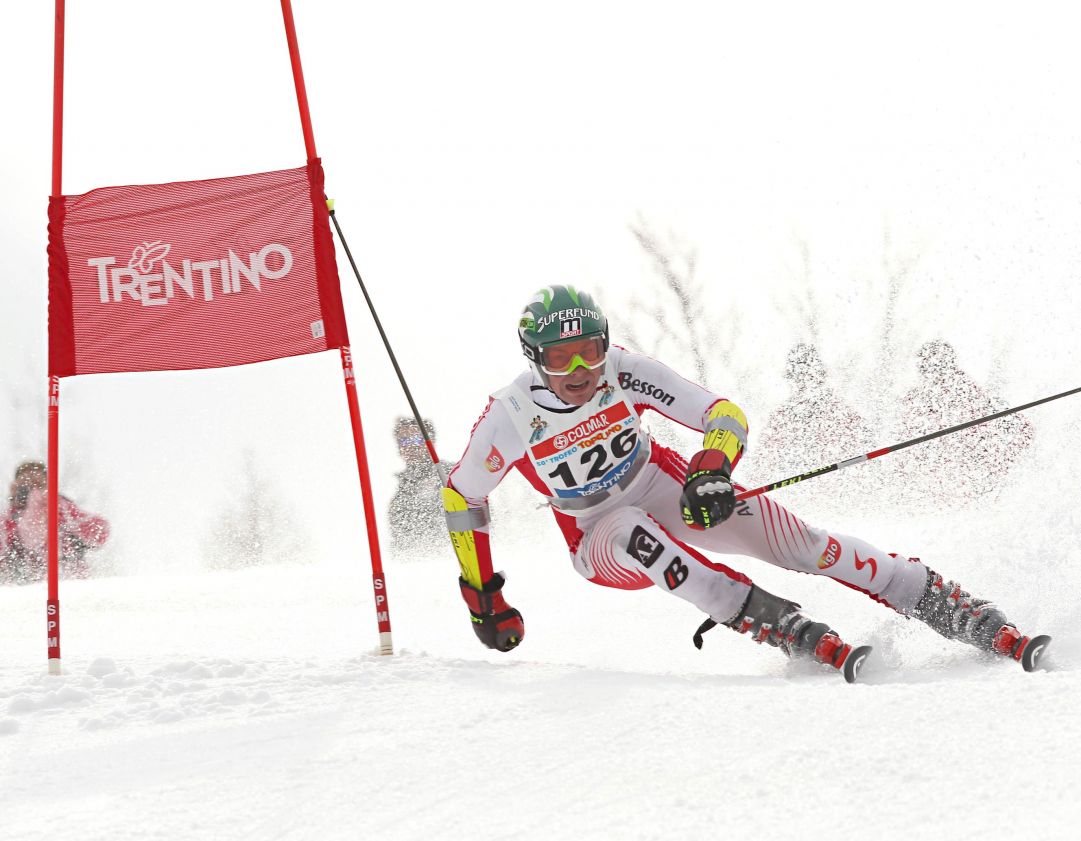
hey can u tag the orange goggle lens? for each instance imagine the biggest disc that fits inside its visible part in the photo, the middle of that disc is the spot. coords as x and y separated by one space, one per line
557 358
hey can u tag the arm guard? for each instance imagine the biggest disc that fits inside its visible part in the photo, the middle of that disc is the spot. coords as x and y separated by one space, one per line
470 544
726 431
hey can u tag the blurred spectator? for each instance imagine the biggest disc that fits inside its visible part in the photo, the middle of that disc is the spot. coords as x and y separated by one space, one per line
814 427
966 464
416 509
25 526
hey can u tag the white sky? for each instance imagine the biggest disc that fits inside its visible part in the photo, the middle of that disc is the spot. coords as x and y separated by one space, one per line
477 150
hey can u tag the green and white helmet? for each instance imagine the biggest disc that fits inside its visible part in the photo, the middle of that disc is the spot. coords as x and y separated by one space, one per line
562 315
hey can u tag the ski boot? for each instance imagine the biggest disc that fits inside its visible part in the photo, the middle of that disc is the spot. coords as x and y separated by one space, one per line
778 622
956 615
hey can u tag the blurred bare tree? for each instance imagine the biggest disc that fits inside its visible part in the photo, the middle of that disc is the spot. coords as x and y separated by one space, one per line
672 324
883 290
801 307
25 410
256 528
895 342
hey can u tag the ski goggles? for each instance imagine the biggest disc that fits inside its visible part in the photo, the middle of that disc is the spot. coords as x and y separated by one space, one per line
565 357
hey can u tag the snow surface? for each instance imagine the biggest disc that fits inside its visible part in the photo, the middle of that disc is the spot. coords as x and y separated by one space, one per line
249 704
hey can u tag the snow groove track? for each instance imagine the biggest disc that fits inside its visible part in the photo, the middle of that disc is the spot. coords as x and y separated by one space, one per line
417 746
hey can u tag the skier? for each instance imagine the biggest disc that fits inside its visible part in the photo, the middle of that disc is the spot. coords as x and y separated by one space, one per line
23 530
635 513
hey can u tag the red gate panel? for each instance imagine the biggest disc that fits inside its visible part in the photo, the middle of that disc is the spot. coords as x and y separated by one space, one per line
193 274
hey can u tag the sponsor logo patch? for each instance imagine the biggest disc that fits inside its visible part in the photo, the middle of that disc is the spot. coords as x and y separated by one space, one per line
565 316
588 428
152 280
540 429
570 327
644 547
629 383
832 554
860 564
494 463
676 573
143 257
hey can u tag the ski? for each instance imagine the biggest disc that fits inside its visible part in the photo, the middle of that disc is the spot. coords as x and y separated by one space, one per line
853 663
1028 651
834 652
1031 652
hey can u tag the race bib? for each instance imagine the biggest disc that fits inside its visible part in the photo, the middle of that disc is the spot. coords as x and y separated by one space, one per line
591 456
583 453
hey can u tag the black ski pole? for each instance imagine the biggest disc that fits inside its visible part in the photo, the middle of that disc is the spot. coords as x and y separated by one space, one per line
386 343
848 462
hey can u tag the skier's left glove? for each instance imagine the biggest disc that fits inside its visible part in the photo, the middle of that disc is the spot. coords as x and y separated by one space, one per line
496 623
708 496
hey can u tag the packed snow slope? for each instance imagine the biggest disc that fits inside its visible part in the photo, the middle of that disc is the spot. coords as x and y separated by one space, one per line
822 173
249 704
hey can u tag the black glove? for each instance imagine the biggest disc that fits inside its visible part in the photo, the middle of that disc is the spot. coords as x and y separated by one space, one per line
496 624
708 496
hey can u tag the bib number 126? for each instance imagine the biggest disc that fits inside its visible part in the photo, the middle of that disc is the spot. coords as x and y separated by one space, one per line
597 458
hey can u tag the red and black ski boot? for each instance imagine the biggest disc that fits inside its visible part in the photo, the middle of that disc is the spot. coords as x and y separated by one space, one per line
957 615
778 622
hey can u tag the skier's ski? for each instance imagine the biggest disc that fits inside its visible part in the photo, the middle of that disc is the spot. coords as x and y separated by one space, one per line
853 663
834 652
1028 651
830 650
1032 651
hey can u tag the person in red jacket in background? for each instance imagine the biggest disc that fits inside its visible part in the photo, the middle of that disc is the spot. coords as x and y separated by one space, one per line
24 530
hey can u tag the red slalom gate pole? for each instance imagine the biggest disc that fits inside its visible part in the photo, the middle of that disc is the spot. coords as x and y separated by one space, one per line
298 79
379 586
52 540
52 605
58 95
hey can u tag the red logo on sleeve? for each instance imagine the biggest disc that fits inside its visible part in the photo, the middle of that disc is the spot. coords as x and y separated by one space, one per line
494 462
832 554
860 564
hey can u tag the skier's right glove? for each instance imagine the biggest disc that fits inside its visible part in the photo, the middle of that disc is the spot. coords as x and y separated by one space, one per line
708 496
496 624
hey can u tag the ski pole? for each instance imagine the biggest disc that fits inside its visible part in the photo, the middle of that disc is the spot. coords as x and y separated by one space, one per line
848 462
460 519
390 352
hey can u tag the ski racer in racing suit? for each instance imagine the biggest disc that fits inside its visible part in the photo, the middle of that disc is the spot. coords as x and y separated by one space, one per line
635 514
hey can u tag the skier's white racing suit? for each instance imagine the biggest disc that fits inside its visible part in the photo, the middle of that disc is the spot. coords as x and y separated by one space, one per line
615 493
